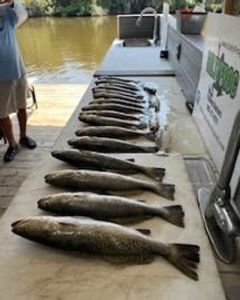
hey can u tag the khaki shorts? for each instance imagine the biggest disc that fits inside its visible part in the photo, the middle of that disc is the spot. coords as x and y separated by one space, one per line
13 95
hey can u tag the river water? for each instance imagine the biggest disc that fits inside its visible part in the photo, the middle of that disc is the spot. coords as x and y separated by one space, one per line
65 50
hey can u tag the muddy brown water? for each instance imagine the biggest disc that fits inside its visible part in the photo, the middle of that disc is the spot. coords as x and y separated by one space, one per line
65 50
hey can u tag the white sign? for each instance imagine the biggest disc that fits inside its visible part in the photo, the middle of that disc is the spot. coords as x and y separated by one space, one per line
218 94
164 26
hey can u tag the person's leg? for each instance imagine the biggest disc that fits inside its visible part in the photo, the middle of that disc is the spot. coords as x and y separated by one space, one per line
22 119
21 92
7 106
6 126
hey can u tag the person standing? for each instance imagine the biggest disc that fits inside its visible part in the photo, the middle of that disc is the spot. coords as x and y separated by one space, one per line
13 83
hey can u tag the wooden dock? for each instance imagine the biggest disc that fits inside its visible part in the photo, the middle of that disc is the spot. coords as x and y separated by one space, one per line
56 104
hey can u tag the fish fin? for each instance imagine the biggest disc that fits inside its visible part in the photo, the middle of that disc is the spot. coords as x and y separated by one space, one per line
165 190
173 214
63 223
130 220
155 173
185 258
144 231
128 260
131 160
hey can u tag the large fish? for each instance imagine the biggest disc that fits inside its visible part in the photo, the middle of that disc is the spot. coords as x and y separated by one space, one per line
113 114
127 83
109 208
101 162
114 132
114 106
129 88
116 91
109 145
85 180
153 102
116 88
139 105
115 95
100 120
115 80
105 239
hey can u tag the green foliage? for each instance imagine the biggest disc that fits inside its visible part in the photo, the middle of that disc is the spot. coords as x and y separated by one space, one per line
100 7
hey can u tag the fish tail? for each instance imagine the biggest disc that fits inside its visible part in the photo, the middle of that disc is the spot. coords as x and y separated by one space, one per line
155 173
165 190
173 214
185 258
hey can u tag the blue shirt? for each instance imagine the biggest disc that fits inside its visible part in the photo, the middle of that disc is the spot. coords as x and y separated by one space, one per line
11 64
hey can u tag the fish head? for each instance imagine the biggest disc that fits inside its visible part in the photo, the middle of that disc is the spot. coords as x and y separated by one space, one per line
56 153
35 228
44 203
71 142
60 178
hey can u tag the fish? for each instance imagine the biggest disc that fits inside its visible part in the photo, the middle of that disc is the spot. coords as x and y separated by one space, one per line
109 145
117 88
109 208
114 106
102 162
113 114
99 120
115 95
116 91
118 101
118 243
86 180
114 132
129 88
128 83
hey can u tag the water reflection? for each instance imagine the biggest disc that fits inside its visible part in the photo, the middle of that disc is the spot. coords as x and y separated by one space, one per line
65 50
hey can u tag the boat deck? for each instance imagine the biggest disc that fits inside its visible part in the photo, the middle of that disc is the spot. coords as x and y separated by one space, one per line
40 272
56 105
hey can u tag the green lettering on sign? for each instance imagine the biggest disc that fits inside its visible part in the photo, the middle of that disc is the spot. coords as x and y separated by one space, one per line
225 76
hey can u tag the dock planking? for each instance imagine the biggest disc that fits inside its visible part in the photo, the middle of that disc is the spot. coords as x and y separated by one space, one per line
56 104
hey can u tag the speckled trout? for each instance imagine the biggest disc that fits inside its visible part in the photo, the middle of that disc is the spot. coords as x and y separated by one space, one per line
114 106
108 145
85 180
100 120
101 162
114 114
107 240
116 92
120 102
115 88
118 95
114 132
109 208
127 83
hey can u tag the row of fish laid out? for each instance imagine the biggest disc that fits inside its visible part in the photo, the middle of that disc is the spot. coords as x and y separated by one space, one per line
93 194
121 109
123 106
